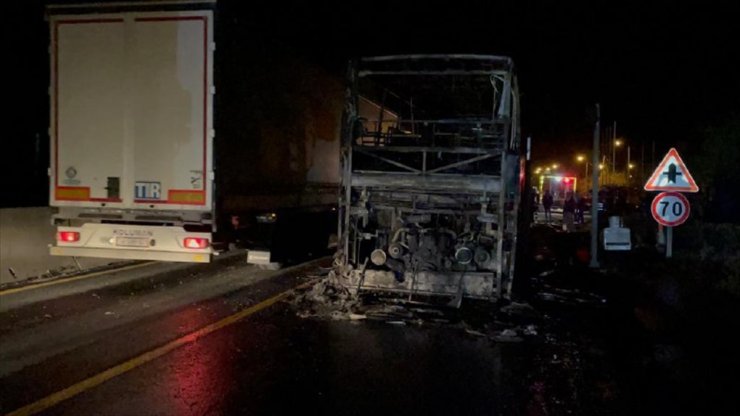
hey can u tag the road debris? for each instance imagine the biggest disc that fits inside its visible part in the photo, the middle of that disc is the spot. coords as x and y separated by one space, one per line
474 333
530 330
328 300
507 335
520 310
570 296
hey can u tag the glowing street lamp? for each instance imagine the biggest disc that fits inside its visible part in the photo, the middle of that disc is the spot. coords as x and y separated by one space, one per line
555 165
581 159
617 143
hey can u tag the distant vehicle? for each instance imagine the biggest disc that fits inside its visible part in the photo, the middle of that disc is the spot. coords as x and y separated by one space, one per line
619 199
163 149
588 200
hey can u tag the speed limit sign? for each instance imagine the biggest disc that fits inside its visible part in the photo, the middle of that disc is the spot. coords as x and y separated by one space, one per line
670 208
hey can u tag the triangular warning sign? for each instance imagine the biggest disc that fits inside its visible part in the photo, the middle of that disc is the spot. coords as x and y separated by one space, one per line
671 175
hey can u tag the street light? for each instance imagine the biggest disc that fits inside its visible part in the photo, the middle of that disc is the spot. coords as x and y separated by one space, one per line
617 143
554 165
581 159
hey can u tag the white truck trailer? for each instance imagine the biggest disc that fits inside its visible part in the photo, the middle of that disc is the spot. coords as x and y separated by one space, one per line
138 170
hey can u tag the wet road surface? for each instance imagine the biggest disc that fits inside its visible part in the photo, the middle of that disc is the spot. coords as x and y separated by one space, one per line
268 360
275 363
55 341
267 363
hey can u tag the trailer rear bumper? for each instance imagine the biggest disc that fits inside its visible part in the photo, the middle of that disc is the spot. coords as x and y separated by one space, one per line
130 254
133 242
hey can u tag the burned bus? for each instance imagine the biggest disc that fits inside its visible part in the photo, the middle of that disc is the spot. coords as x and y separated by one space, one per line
432 173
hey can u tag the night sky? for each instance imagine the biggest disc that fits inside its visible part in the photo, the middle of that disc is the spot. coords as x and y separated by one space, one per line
663 72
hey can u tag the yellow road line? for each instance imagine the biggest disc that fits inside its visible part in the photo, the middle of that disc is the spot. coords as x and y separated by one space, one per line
73 278
146 357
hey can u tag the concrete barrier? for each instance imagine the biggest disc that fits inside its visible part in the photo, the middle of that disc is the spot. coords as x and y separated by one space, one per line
25 235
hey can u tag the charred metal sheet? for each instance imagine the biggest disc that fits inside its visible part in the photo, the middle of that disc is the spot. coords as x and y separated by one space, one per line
472 284
458 184
460 64
446 57
438 149
461 163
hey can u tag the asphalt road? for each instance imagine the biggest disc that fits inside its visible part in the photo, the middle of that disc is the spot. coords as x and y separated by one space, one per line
96 338
54 336
172 339
225 338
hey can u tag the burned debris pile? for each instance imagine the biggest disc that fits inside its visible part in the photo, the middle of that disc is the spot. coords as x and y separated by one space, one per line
330 300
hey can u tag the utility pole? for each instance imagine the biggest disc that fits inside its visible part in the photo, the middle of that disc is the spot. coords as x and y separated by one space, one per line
606 149
595 191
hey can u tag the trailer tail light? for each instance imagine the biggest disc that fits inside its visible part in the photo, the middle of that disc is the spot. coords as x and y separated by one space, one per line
195 242
68 236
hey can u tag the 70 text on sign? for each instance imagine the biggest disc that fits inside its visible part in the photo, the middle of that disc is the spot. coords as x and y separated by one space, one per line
670 208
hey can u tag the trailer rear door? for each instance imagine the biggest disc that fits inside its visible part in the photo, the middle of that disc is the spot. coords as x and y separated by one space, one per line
131 118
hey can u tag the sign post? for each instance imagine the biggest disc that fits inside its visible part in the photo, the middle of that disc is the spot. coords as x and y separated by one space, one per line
669 243
594 263
671 208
